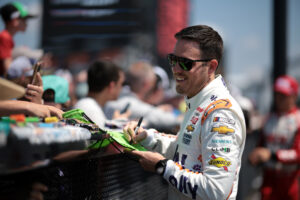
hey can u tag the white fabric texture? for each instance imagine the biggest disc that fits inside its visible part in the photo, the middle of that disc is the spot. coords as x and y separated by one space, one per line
92 109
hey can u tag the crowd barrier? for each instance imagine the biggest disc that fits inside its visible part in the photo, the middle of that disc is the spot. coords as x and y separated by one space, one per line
57 156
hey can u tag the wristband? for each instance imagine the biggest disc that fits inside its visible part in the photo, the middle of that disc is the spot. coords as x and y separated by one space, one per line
160 167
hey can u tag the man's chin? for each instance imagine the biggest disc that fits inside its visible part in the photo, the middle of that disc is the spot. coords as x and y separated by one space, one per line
180 90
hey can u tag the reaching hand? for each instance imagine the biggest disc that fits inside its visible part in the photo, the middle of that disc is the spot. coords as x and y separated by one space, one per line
34 92
118 115
39 110
10 107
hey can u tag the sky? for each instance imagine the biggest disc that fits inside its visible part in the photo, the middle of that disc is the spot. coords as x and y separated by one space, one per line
246 27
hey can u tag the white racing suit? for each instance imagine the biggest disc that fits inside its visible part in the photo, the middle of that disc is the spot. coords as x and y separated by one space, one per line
206 153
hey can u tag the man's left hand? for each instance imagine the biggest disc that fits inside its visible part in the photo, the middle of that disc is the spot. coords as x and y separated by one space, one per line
148 159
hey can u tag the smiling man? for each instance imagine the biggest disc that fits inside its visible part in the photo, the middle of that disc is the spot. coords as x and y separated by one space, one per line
204 159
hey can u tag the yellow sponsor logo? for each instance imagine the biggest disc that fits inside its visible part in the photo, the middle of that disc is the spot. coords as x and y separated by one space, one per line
190 128
219 162
222 130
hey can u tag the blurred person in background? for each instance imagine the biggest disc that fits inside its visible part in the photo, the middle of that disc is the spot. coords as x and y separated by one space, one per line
204 159
105 81
56 91
21 73
14 16
250 176
156 95
23 60
66 74
162 96
279 148
141 80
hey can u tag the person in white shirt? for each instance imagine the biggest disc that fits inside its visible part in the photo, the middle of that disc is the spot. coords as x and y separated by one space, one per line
105 81
141 79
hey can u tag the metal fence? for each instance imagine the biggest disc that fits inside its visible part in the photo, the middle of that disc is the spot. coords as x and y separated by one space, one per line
102 177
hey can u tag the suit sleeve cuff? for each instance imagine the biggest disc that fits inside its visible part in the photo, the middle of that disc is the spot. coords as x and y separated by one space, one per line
150 141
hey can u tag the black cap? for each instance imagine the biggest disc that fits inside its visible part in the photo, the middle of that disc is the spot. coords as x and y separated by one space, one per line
14 10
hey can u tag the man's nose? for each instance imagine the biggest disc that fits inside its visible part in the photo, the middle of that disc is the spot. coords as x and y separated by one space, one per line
177 68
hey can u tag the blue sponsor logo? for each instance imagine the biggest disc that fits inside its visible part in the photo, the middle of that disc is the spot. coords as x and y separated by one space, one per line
187 138
220 141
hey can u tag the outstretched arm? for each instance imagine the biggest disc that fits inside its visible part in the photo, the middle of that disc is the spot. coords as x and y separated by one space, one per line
10 107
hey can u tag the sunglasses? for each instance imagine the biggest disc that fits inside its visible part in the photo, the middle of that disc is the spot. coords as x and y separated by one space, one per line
185 63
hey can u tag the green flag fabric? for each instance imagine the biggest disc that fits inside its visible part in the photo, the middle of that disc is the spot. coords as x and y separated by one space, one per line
80 117
120 139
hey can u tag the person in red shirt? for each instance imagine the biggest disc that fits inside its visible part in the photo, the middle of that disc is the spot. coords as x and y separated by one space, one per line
280 144
14 16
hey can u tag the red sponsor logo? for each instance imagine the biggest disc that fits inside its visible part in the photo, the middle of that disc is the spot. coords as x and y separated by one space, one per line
194 120
200 109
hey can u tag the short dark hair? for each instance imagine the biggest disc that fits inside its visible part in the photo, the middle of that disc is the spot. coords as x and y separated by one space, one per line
209 40
101 73
48 95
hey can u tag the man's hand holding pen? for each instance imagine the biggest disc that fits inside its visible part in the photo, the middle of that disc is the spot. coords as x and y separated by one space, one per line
133 132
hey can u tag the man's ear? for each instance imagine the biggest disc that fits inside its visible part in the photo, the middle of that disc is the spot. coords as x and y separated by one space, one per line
213 65
111 85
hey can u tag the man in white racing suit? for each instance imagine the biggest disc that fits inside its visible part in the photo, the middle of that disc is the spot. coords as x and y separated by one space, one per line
204 159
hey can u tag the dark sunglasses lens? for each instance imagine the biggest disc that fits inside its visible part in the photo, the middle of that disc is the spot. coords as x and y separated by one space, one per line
172 60
186 65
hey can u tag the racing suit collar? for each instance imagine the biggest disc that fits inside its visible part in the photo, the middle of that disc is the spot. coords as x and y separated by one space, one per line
205 93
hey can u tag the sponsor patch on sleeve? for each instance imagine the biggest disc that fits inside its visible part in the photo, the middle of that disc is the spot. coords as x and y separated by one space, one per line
220 149
219 162
222 130
220 141
225 120
222 103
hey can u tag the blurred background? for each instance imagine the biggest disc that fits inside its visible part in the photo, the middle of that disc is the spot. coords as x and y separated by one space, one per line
77 31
